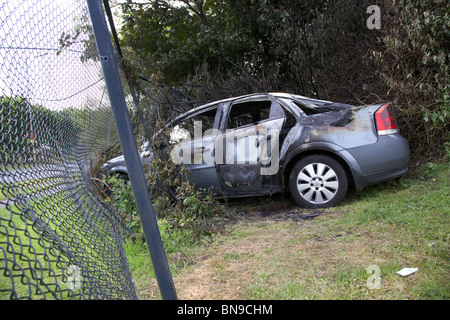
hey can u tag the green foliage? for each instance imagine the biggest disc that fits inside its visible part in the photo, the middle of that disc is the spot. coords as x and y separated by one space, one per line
254 36
122 198
209 49
185 221
393 225
193 211
82 33
439 117
179 38
27 127
413 62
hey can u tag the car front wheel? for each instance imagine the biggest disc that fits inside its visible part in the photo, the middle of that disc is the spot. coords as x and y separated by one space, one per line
318 181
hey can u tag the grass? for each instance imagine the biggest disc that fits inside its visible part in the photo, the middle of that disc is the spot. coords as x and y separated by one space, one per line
31 186
263 254
33 264
23 262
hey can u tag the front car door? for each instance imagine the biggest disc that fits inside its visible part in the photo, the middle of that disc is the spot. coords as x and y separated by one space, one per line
193 139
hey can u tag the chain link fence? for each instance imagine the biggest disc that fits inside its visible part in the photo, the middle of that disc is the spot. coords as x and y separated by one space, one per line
58 239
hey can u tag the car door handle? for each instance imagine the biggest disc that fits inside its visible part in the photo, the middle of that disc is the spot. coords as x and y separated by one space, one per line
260 139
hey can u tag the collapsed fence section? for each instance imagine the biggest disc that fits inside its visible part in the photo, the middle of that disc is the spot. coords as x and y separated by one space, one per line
58 239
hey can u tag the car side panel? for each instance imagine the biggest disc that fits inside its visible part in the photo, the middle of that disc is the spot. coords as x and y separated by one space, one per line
204 176
390 152
346 128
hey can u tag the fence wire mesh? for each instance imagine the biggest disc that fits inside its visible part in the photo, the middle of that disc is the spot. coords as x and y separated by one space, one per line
58 239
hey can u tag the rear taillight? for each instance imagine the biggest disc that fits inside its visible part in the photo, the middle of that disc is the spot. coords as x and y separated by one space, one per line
385 120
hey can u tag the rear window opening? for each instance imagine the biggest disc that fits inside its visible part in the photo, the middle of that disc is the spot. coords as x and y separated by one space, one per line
246 113
312 110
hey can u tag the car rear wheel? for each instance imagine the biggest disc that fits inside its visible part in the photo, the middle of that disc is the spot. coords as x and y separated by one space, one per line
318 181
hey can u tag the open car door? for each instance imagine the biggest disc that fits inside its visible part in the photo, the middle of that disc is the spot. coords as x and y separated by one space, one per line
250 136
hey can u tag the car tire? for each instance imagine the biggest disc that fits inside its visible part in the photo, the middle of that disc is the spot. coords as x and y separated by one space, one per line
318 181
123 176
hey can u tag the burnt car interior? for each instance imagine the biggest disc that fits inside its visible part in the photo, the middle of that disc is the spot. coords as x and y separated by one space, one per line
253 112
248 113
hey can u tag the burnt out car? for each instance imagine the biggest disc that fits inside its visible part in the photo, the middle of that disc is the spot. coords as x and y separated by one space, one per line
262 144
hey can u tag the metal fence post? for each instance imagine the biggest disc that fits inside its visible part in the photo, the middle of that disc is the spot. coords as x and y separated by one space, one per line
130 150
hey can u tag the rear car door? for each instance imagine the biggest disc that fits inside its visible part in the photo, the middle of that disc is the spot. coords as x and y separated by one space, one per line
250 143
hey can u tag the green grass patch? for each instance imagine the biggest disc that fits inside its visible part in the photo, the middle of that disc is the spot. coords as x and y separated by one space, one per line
43 239
28 270
262 254
391 226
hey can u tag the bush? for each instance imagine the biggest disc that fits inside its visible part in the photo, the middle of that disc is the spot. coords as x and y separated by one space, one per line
183 222
321 49
413 62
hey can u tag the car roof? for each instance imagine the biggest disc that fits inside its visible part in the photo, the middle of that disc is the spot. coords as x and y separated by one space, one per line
306 100
275 94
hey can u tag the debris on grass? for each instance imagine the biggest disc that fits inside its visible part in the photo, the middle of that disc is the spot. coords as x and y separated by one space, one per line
407 271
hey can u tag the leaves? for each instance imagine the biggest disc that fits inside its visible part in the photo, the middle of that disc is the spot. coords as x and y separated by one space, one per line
194 51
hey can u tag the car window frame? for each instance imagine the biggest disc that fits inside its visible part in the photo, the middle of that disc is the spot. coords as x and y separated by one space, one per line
217 117
263 97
